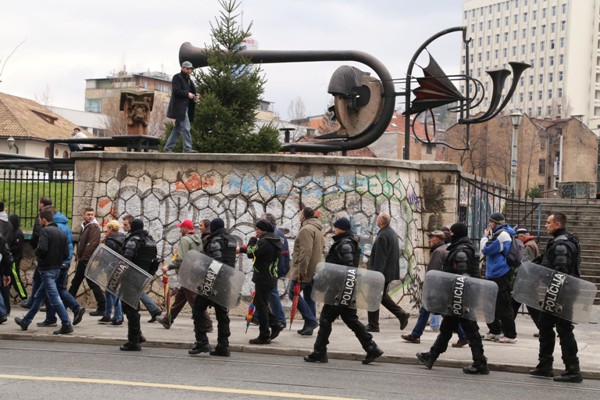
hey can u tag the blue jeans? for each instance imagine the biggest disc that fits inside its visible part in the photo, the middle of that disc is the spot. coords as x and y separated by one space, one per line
66 297
306 304
149 304
113 301
48 290
181 128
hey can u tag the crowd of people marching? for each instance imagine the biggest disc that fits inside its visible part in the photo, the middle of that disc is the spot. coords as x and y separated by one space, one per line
451 251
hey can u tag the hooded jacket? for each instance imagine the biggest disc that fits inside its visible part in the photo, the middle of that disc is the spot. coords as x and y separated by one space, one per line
191 241
496 250
265 253
308 250
63 224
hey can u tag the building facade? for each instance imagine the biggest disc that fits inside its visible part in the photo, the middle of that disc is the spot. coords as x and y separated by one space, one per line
558 38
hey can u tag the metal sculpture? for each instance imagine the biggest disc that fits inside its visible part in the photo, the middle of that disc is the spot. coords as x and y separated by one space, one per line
364 105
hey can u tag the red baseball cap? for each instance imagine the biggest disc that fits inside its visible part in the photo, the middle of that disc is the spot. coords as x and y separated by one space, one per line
187 224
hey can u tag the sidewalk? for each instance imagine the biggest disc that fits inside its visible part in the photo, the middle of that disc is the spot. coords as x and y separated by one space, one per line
519 357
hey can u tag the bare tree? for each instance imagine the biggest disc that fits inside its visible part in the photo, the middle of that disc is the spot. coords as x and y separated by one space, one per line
296 110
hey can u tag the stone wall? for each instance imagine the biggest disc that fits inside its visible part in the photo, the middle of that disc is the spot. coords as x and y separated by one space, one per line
164 189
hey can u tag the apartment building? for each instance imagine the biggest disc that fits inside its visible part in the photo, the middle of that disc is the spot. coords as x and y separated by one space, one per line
558 38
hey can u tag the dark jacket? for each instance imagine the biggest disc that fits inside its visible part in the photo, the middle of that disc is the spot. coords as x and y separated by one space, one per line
344 250
115 241
52 247
563 253
180 102
385 254
133 249
461 258
264 253
89 240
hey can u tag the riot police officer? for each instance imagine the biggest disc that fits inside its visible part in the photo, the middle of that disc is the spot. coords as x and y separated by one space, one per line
343 251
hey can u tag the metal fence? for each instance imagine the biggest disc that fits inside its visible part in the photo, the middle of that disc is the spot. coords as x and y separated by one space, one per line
23 183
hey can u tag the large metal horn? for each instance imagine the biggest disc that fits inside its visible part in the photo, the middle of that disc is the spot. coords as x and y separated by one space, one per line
498 80
197 56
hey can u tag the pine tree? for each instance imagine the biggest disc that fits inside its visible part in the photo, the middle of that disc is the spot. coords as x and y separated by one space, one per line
230 90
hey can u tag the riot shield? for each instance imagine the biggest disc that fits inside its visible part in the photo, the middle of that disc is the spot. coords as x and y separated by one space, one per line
555 293
210 278
459 296
117 275
350 287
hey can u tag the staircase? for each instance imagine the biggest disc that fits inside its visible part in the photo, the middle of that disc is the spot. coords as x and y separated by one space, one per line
583 220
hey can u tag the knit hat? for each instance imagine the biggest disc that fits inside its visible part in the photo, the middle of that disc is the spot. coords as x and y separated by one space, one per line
497 218
343 223
137 225
459 230
265 225
216 224
187 224
521 229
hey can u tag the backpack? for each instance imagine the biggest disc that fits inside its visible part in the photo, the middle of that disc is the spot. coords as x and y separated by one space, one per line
515 257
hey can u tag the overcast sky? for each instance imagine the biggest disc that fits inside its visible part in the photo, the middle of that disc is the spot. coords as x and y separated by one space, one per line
66 42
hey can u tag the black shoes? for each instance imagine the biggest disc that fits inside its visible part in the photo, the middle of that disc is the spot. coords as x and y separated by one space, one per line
64 330
77 316
481 369
542 373
21 323
573 377
154 317
404 320
199 349
373 352
220 351
308 330
371 328
426 359
46 324
97 313
258 340
276 330
131 347
315 357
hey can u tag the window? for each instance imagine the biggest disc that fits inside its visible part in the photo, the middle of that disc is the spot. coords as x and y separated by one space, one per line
542 167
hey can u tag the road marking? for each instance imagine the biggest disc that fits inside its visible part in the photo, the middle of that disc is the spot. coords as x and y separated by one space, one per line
171 386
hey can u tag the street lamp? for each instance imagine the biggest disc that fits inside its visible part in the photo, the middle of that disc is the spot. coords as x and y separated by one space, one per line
515 118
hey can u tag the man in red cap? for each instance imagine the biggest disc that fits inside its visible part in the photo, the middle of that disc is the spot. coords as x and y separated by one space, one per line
189 241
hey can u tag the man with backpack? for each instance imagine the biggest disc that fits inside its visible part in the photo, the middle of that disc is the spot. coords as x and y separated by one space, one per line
496 245
140 249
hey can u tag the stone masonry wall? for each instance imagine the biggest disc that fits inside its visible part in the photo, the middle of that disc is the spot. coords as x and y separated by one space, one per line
164 189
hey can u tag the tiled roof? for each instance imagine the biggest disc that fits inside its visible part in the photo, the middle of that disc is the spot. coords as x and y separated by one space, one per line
26 118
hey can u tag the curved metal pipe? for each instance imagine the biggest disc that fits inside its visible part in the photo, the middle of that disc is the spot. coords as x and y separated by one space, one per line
197 56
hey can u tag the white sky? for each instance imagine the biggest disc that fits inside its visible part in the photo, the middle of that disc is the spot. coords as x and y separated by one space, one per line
67 42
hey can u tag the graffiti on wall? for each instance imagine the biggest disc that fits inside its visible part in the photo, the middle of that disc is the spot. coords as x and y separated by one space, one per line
242 195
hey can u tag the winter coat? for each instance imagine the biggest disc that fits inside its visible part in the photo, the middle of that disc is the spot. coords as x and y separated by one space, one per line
182 85
89 240
385 254
308 250
63 223
52 247
191 241
264 253
496 250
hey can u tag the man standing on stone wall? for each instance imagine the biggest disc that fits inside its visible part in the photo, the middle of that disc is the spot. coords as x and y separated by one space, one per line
308 251
89 240
385 258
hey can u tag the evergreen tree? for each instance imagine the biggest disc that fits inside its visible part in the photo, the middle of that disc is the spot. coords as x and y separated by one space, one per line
230 90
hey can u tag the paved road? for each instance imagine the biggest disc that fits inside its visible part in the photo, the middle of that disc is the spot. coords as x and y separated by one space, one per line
36 370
